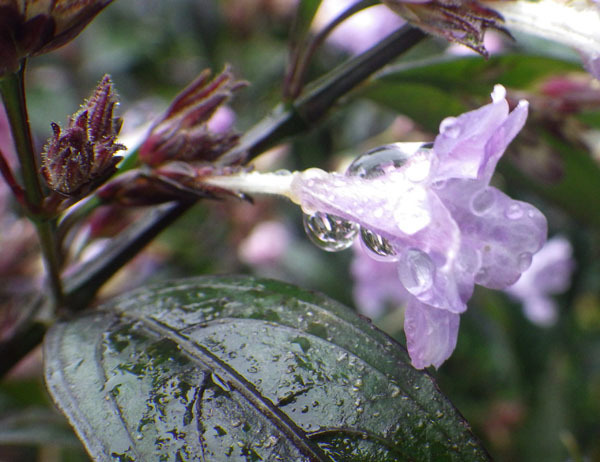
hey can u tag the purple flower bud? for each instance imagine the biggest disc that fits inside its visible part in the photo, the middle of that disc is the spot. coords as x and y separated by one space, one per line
459 21
185 132
82 155
431 211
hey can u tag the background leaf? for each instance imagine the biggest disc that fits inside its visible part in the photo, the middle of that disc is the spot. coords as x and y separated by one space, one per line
248 368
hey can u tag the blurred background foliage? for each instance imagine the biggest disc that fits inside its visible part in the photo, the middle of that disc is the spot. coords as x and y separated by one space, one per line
530 392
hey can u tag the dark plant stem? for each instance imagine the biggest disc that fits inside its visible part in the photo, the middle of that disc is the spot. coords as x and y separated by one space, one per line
12 88
293 118
81 288
301 58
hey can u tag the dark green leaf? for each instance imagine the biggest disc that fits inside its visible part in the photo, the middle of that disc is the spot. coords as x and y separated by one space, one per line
218 368
430 90
35 426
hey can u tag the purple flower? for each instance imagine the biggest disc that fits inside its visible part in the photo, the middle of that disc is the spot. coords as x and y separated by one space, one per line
549 273
431 211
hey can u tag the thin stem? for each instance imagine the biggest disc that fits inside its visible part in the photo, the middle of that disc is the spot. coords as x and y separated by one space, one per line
82 287
13 94
293 118
12 88
302 60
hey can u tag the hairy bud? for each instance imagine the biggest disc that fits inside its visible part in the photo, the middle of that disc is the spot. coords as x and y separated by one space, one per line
77 159
182 133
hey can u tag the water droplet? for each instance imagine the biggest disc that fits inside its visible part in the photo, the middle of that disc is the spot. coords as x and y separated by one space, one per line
481 277
384 159
482 201
416 271
329 232
525 261
395 391
139 436
514 212
377 244
450 127
304 409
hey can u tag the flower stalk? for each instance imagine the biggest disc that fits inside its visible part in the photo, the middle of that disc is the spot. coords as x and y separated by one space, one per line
12 88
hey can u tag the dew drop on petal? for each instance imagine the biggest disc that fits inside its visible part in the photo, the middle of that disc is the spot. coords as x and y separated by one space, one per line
383 159
482 202
377 244
513 212
416 271
329 232
525 261
450 127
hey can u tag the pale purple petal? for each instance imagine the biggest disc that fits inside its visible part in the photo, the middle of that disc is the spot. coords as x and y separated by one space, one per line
499 233
431 334
550 273
470 145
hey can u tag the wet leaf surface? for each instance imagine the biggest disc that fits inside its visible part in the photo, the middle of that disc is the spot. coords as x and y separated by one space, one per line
245 369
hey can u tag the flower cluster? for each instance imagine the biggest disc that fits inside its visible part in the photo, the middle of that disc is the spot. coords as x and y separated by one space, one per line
431 211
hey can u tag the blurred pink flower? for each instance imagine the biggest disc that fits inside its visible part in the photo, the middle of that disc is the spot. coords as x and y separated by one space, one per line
360 31
549 274
375 284
265 245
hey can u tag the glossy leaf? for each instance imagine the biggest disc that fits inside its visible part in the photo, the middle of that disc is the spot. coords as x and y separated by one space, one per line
245 369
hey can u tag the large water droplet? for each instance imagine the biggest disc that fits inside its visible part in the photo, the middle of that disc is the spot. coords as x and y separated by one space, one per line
377 244
450 127
381 160
329 232
416 271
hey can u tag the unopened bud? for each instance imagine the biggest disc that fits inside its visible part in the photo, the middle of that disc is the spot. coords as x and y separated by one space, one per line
183 133
82 155
460 21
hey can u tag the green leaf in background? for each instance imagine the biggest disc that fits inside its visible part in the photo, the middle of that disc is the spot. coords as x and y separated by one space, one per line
428 91
245 369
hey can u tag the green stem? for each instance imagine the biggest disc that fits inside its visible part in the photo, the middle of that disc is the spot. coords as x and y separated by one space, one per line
13 95
12 89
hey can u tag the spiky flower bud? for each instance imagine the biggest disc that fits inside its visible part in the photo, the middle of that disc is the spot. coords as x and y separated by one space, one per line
33 27
460 21
77 159
182 133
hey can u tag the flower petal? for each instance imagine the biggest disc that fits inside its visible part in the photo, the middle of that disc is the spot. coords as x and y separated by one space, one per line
431 334
502 232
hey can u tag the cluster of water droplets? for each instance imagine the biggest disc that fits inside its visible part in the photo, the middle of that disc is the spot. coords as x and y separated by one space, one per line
333 233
